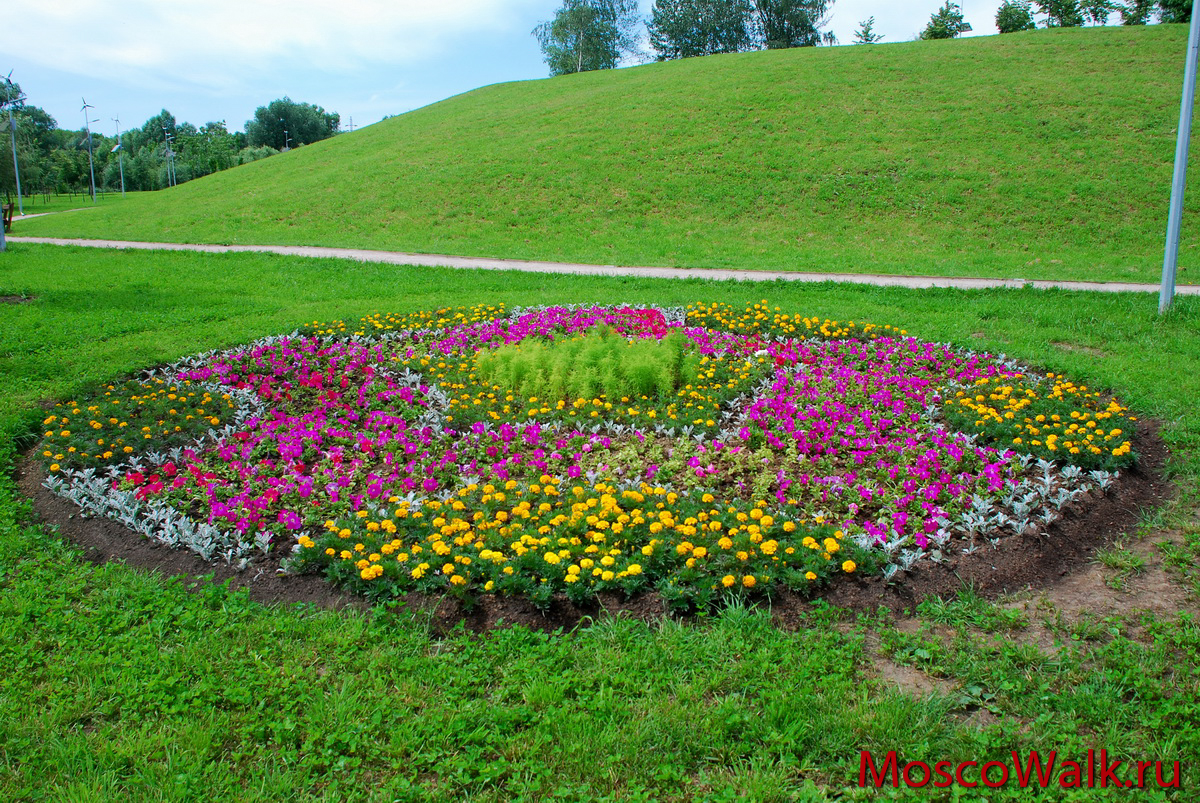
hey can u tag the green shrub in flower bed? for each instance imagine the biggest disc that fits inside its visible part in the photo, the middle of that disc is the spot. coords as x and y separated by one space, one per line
478 451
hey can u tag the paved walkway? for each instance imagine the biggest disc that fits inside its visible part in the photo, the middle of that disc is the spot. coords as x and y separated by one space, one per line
485 263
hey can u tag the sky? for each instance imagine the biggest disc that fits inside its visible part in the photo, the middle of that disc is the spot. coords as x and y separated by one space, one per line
364 59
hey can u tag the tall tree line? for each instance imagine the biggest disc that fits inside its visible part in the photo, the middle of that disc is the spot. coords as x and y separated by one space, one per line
155 155
598 34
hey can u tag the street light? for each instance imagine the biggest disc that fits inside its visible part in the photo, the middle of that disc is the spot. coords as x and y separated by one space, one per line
11 102
120 155
171 180
87 124
1166 291
286 139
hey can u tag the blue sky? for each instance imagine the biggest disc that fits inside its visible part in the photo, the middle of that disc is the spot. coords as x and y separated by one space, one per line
365 59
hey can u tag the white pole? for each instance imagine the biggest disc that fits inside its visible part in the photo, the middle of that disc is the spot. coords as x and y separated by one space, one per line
1179 180
87 124
12 125
120 155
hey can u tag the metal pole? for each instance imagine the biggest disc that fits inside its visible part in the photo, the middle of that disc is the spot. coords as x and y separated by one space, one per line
1179 180
87 124
12 125
120 155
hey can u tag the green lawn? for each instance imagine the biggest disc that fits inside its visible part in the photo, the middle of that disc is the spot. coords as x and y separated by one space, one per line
120 685
1039 155
39 204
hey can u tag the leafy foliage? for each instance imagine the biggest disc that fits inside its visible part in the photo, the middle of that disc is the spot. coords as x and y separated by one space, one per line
588 35
1061 13
1015 15
1175 11
865 35
285 123
946 23
686 28
1097 11
791 23
1137 12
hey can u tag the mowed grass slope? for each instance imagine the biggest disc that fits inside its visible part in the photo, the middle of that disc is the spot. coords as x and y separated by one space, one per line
1046 154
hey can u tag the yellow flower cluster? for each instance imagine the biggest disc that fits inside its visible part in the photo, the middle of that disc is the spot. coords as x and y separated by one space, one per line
1053 416
761 318
114 425
443 318
512 537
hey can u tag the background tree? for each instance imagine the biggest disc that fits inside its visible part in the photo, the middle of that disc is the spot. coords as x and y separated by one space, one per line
1061 13
153 129
865 35
36 139
780 24
684 28
1136 12
1097 11
304 122
588 35
946 23
1015 15
1175 11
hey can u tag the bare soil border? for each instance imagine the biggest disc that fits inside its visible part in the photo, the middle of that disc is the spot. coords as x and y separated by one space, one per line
1019 563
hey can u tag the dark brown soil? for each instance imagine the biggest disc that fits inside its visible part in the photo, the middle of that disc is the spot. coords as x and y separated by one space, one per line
1017 564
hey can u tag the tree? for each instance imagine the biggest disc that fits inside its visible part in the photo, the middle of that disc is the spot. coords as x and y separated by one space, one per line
780 24
152 129
1097 11
947 23
684 28
1175 11
1014 15
1136 12
1061 13
865 35
588 35
303 122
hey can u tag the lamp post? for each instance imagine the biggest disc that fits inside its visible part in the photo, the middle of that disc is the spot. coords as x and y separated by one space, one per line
171 181
1166 293
12 129
286 139
87 124
120 155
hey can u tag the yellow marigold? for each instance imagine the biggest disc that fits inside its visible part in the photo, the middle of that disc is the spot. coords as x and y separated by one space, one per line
849 566
749 581
728 580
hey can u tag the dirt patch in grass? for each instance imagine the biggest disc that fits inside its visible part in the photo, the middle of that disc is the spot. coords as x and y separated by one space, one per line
1077 348
1059 562
16 299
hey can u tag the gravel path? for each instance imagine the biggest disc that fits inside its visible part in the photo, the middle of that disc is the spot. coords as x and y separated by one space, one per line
485 263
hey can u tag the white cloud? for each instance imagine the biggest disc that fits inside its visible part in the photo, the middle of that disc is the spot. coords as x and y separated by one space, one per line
223 45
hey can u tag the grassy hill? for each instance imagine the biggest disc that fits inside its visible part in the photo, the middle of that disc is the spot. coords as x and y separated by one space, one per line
1045 154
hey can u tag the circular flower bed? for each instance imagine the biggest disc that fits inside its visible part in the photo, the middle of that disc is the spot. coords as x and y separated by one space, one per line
700 452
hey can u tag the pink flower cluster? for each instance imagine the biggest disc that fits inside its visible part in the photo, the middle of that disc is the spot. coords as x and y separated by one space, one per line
841 430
